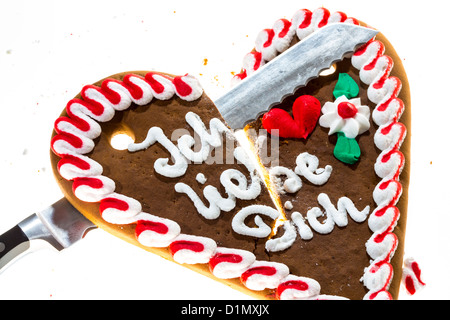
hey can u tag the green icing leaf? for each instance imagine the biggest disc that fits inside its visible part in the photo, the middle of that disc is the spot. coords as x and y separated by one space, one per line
347 150
346 86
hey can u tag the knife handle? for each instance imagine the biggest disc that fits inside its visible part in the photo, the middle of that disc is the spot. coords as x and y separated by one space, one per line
13 243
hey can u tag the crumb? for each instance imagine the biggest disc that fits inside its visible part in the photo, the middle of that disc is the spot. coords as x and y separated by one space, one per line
288 205
201 178
205 62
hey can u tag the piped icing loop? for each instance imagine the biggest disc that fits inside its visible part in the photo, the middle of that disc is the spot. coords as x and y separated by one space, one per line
161 86
412 276
187 87
192 249
139 89
306 22
156 232
119 209
251 62
264 275
80 120
229 263
375 69
377 278
78 166
93 189
295 288
270 42
390 163
390 135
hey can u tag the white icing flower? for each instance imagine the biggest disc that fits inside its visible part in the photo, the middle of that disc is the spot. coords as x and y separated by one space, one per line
347 116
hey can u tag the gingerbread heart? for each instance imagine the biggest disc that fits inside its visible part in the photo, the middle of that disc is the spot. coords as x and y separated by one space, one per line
187 190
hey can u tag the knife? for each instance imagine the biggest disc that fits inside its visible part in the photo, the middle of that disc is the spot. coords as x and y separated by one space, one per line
60 224
291 70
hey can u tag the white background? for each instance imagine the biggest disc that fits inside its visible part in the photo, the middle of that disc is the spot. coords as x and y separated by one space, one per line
50 49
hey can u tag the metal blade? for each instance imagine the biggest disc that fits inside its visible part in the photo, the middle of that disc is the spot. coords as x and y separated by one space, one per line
60 224
291 70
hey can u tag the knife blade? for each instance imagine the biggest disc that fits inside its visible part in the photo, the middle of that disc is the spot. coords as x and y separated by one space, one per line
291 70
60 224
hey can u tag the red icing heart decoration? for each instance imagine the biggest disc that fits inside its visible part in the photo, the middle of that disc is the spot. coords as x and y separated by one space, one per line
306 112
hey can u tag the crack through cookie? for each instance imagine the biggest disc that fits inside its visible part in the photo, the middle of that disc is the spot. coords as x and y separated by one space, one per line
186 189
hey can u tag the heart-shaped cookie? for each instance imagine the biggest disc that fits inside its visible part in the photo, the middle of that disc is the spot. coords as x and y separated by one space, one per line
187 190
